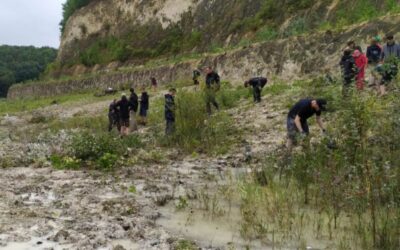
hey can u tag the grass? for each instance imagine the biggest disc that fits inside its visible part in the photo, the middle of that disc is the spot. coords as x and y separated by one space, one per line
29 104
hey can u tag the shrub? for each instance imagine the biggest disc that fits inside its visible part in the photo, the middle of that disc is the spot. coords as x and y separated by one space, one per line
107 161
196 131
65 162
102 150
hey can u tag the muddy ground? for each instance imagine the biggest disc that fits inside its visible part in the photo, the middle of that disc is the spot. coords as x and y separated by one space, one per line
134 207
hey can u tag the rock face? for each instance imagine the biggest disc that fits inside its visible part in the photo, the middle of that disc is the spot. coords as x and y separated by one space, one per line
149 26
285 59
115 17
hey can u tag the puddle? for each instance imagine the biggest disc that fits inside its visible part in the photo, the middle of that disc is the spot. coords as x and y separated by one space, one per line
223 232
207 232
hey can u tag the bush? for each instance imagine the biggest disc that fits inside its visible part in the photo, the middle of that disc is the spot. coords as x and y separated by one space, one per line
107 161
65 162
102 150
196 131
360 175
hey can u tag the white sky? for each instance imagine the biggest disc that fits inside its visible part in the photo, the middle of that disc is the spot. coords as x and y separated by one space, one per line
30 22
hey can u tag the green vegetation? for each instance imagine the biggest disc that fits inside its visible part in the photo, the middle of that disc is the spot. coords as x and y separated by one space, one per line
30 104
185 245
196 132
69 8
97 150
263 22
343 187
90 146
106 50
19 64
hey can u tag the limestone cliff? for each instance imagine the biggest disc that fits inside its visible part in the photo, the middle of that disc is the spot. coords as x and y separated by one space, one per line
135 30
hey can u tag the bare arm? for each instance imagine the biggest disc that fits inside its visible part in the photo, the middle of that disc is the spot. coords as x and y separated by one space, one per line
298 123
320 123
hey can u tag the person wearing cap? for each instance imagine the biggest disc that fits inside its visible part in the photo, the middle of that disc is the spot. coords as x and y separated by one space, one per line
258 84
170 111
361 62
298 115
124 106
391 49
374 54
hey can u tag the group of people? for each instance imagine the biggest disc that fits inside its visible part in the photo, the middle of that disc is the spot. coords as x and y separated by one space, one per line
381 62
122 113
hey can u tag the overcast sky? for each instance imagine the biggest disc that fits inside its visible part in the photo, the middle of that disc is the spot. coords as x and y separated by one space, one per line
30 22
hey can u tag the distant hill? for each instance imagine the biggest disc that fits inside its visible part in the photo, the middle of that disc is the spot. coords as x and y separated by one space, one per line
19 64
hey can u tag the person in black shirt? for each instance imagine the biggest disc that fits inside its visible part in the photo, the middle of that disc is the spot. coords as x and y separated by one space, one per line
154 83
170 112
144 107
374 54
258 84
134 102
113 116
212 86
349 70
124 107
298 115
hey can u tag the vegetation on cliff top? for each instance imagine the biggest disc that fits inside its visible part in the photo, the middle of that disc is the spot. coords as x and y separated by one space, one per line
69 8
244 22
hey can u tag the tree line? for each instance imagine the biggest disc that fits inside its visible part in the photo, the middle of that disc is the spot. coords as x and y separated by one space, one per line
19 64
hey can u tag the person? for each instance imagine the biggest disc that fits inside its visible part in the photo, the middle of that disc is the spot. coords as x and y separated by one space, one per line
361 62
374 53
349 70
388 72
113 116
134 104
388 68
124 107
170 111
144 107
212 86
298 115
351 45
391 49
196 75
154 83
258 84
